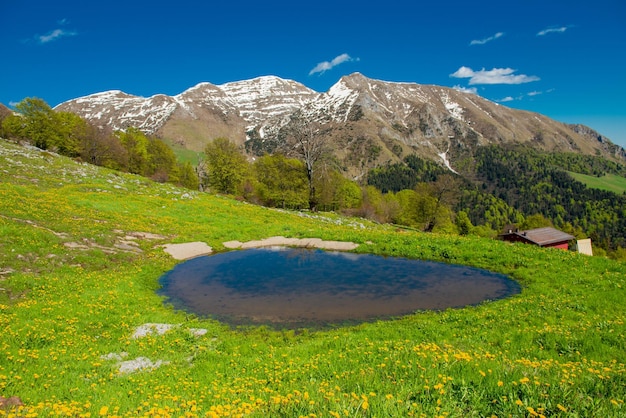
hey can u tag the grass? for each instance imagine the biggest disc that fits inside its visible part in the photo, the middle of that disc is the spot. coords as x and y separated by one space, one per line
77 281
185 155
608 182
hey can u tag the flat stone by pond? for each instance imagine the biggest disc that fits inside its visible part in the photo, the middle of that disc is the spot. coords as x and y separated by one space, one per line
295 287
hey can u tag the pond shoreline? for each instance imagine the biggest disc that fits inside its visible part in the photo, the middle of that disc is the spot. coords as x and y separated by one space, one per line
188 250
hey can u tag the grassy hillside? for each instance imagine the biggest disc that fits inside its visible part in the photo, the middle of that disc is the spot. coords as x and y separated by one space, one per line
608 182
78 274
183 154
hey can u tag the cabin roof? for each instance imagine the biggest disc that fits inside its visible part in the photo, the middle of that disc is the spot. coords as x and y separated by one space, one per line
543 236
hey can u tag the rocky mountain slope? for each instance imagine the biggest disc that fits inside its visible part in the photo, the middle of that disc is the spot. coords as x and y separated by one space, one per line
367 122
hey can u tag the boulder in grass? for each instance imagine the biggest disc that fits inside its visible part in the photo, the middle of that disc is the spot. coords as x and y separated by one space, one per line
187 250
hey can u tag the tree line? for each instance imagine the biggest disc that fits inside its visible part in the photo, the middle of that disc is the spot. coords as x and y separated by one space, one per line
518 186
65 133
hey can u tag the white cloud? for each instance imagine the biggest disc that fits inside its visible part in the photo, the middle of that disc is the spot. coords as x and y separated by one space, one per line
489 39
522 96
54 35
470 90
552 30
493 76
463 72
327 65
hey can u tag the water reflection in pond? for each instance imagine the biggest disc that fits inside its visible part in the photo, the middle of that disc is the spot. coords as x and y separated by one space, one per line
295 287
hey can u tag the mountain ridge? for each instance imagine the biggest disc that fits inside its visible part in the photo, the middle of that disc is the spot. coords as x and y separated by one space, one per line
368 122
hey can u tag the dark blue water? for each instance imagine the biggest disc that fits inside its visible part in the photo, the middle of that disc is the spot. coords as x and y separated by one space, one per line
295 287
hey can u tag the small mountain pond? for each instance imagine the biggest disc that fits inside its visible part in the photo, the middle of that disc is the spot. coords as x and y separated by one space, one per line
294 287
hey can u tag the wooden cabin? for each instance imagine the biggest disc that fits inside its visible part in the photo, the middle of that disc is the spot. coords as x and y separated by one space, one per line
543 237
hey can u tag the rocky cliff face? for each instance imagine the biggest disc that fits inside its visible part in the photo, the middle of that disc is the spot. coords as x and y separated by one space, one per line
367 122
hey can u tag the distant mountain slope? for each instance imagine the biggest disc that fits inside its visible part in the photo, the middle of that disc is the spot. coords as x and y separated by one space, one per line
4 111
368 122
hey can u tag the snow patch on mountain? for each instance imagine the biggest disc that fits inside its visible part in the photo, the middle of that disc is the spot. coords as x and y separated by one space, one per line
206 96
422 117
446 161
184 105
120 110
416 92
455 109
268 97
486 112
337 103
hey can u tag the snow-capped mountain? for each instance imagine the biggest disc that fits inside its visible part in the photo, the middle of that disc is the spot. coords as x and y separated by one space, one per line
199 114
367 121
267 98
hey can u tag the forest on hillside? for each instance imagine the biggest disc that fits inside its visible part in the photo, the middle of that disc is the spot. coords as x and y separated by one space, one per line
498 187
65 133
504 186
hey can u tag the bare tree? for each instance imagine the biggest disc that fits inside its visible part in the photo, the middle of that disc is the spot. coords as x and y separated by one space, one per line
305 141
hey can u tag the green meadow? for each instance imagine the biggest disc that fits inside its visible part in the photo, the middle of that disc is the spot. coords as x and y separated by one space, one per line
609 182
81 252
183 154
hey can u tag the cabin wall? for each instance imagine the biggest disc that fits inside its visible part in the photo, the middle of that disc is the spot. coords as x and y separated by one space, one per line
559 245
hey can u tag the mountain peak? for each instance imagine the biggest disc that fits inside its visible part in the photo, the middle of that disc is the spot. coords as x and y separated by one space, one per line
265 86
354 76
361 114
263 79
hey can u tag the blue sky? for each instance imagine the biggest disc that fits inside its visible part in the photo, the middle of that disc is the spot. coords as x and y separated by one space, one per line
564 59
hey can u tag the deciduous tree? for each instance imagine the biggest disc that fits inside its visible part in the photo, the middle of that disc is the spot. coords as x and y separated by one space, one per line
162 164
35 122
72 130
226 166
282 181
100 147
335 192
463 223
305 141
136 144
187 176
445 192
